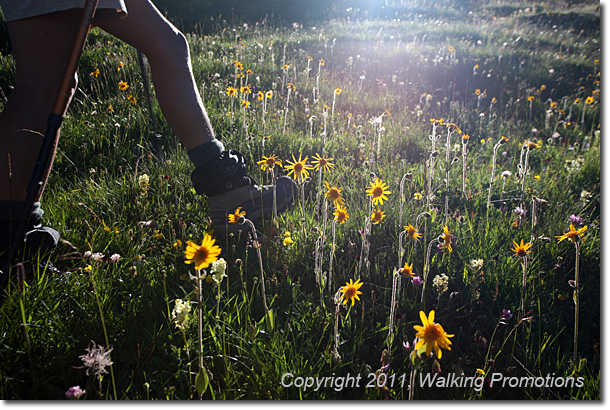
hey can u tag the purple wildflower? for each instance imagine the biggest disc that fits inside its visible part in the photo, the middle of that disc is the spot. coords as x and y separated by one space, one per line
520 211
417 281
576 220
408 346
75 392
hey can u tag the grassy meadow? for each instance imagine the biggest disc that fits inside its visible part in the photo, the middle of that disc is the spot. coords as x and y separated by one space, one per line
480 121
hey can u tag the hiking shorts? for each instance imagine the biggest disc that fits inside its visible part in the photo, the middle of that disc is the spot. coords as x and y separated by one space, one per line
21 9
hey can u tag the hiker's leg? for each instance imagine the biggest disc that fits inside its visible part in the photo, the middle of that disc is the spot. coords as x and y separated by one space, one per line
41 46
220 174
167 52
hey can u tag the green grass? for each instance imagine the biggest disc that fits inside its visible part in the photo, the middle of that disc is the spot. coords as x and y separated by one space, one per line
384 66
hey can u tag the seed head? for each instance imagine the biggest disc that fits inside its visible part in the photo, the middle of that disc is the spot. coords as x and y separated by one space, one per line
96 359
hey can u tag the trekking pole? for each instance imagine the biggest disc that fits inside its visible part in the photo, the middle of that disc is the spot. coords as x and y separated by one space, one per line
51 136
154 134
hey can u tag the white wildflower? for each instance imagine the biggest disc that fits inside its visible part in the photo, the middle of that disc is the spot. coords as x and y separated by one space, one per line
574 165
143 181
219 266
97 257
441 283
476 264
585 196
180 314
218 270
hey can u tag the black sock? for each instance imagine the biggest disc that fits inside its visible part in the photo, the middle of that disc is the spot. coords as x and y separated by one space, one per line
203 153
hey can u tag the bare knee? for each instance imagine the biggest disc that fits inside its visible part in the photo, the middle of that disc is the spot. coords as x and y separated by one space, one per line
171 53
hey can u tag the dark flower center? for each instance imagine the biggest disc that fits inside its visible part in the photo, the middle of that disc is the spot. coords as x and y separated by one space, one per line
201 255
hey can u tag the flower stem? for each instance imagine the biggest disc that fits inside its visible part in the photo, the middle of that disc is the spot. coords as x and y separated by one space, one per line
332 113
524 172
302 204
523 285
257 245
448 164
274 195
401 250
320 254
324 217
318 268
426 271
493 172
245 127
379 141
365 245
99 306
264 110
534 219
332 254
200 318
319 192
576 301
402 197
286 112
395 290
337 299
412 382
218 303
464 153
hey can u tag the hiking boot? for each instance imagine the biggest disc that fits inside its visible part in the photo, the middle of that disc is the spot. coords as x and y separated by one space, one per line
255 200
221 174
228 187
39 239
